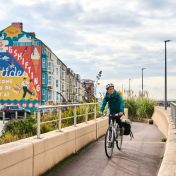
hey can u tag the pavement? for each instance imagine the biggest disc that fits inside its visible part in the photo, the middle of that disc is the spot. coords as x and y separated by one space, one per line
140 157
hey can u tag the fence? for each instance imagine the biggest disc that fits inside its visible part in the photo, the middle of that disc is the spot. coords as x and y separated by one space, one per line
173 112
58 110
15 115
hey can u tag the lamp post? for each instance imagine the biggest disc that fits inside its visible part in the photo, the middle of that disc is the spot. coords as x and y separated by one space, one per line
143 81
165 101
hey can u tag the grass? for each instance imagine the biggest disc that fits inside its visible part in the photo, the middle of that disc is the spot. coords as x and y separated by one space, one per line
140 108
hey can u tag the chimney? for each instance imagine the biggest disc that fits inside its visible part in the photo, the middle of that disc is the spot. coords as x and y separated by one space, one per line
18 25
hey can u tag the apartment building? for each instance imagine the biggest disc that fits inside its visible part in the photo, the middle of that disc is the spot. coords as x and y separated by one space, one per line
30 72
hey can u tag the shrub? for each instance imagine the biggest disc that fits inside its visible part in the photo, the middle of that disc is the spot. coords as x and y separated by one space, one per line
8 137
131 104
140 108
145 108
23 128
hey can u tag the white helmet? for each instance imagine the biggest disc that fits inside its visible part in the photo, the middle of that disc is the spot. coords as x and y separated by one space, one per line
109 85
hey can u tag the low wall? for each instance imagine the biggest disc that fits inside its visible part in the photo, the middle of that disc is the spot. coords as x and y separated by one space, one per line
32 157
164 122
160 120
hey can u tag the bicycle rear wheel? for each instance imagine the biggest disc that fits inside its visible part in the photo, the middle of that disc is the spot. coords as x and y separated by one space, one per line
109 142
119 141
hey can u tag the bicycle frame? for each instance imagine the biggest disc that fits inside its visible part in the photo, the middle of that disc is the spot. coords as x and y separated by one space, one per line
114 126
112 135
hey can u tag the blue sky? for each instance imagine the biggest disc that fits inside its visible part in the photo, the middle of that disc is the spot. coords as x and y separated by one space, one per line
116 36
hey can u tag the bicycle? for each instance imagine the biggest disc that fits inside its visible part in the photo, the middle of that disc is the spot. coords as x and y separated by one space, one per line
113 135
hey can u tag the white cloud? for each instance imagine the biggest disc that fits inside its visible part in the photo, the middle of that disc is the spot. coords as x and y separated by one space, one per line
118 37
154 85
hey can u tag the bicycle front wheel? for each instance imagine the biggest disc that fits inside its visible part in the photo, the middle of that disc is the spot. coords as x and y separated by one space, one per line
109 142
119 141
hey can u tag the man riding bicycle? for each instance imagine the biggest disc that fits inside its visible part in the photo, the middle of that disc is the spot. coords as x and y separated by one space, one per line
116 104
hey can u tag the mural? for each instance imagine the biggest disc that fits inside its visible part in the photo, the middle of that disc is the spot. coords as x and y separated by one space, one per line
20 68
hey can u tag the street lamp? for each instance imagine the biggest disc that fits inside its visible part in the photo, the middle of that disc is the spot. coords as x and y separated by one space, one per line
143 81
165 104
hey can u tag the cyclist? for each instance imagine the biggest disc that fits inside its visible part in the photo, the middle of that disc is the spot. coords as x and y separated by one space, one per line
116 104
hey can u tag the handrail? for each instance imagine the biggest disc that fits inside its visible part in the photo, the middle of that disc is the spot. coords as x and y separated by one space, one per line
59 113
66 105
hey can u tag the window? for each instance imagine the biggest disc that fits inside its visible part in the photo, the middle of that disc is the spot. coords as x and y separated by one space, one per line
50 66
43 78
57 83
57 71
57 96
43 94
50 81
50 95
43 63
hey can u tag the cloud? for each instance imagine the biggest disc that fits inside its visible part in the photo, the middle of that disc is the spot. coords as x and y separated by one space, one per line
117 37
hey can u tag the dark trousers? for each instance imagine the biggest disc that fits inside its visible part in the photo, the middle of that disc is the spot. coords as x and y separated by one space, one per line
117 118
25 90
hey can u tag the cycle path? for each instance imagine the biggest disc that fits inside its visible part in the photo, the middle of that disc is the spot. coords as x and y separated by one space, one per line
141 156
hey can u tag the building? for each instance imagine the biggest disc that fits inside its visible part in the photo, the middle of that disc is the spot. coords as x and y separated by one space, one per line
89 89
31 74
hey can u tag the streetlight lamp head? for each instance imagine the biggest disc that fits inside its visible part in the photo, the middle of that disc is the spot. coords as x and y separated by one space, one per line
167 40
144 68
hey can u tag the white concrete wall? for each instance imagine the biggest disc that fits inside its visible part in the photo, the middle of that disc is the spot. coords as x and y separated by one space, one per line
16 158
164 122
160 120
32 157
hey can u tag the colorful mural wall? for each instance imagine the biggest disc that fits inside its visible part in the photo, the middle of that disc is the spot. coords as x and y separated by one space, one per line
20 68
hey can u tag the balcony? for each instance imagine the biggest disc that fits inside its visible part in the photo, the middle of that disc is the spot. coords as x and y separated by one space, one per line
50 67
50 81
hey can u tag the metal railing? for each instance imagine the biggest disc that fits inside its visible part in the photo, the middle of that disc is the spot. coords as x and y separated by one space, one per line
59 109
15 116
173 112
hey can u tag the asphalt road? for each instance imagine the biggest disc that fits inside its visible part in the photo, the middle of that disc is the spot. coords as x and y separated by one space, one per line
140 157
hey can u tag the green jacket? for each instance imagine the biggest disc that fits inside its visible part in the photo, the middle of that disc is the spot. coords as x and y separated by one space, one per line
115 101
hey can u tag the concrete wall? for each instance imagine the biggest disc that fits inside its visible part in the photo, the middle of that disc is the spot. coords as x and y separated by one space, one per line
160 120
164 122
32 157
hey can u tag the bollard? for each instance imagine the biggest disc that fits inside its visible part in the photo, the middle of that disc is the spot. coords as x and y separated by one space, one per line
38 124
75 116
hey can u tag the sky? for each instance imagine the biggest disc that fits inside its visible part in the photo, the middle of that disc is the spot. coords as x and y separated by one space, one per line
118 37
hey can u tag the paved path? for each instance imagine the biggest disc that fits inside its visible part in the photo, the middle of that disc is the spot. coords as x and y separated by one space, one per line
139 157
